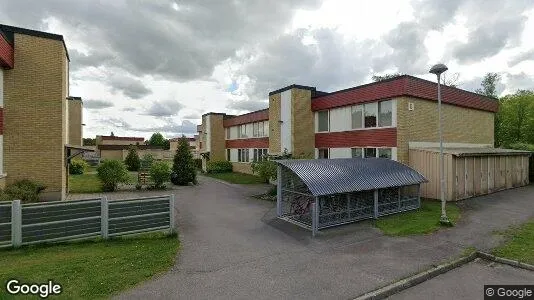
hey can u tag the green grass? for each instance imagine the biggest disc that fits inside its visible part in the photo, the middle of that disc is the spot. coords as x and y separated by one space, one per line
92 269
520 244
422 221
237 178
89 183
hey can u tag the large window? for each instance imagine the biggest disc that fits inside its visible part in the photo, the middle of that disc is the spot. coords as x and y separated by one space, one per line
322 117
357 152
357 116
384 152
243 155
385 113
323 153
260 155
228 133
228 154
242 131
371 112
370 152
255 130
261 131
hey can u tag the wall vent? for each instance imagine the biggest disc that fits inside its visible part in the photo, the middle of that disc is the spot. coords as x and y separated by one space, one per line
411 106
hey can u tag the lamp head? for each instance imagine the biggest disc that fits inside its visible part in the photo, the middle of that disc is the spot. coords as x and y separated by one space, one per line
438 69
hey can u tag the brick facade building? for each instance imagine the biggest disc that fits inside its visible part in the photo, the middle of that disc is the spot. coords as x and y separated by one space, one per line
38 119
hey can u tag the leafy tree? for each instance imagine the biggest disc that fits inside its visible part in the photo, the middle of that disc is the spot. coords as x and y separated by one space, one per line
516 119
111 173
89 142
377 78
451 80
147 161
489 85
160 173
157 139
132 161
183 167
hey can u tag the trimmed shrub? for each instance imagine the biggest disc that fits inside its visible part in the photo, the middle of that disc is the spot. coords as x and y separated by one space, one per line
266 170
160 173
222 166
24 190
132 161
77 167
183 167
111 173
147 161
198 163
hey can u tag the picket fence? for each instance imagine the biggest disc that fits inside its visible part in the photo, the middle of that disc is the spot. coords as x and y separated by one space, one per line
33 223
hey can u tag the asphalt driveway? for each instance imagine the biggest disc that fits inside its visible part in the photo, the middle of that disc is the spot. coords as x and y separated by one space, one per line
233 247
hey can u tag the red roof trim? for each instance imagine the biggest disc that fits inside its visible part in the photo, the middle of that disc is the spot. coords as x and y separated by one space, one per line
6 53
404 86
381 137
255 116
248 143
122 138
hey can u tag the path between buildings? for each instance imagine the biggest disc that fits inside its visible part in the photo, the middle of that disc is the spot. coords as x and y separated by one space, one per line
233 247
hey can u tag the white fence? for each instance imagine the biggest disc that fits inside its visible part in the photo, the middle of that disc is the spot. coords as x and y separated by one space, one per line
25 224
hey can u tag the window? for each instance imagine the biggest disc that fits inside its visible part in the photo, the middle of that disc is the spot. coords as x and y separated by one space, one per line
357 152
261 132
266 128
228 154
243 155
371 111
384 152
242 131
228 133
246 155
255 130
357 116
260 155
322 117
385 113
323 153
370 152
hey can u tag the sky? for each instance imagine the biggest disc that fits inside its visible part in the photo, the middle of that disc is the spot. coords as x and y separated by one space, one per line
157 66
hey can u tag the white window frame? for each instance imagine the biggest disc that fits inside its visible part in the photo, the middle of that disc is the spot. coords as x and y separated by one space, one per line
327 120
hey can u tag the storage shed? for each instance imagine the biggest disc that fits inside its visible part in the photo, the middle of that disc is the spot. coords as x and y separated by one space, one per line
321 193
471 172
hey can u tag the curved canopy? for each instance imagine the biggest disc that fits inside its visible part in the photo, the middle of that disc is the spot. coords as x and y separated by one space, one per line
344 175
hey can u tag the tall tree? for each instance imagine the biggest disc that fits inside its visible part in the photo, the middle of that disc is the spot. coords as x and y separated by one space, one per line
183 168
89 142
489 85
132 161
157 139
377 78
516 117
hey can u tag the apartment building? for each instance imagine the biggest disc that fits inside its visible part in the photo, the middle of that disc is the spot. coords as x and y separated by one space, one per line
39 123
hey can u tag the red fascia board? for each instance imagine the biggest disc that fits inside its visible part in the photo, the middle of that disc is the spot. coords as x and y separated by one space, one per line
122 138
6 53
248 143
383 137
404 86
261 115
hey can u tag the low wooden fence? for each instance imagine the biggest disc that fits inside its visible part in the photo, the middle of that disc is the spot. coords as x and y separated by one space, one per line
25 224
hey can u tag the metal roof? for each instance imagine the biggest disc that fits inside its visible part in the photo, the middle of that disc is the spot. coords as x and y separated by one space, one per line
476 151
343 175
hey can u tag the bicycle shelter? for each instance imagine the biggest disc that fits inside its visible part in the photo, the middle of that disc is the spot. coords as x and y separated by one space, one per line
320 193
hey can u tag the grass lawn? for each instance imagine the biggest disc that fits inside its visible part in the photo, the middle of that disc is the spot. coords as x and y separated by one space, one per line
91 269
520 244
422 221
237 178
89 183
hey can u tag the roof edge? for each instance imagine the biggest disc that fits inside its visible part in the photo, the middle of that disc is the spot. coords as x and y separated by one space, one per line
293 86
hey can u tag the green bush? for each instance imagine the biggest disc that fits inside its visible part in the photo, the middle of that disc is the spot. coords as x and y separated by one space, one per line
222 166
77 167
146 161
24 190
111 173
266 170
526 147
183 167
198 163
160 173
132 161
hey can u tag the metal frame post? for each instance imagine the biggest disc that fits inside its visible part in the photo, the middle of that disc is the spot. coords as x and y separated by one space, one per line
16 223
376 204
104 217
279 191
172 215
315 217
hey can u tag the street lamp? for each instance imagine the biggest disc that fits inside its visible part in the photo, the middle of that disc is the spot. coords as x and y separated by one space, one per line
438 70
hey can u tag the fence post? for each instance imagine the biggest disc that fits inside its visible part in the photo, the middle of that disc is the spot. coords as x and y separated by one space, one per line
104 217
376 204
172 225
279 191
16 223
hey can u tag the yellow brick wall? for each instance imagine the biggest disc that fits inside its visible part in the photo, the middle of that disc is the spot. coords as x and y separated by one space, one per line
75 122
111 154
275 143
302 120
460 125
35 105
218 138
242 167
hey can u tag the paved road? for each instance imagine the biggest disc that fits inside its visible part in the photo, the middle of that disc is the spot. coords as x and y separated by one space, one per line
233 247
467 282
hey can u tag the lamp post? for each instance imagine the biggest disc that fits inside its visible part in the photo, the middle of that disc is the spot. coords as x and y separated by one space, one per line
438 70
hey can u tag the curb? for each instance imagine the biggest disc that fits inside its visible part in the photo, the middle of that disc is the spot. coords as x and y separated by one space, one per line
413 280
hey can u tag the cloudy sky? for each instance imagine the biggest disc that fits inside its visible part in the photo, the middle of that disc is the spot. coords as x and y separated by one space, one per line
146 66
